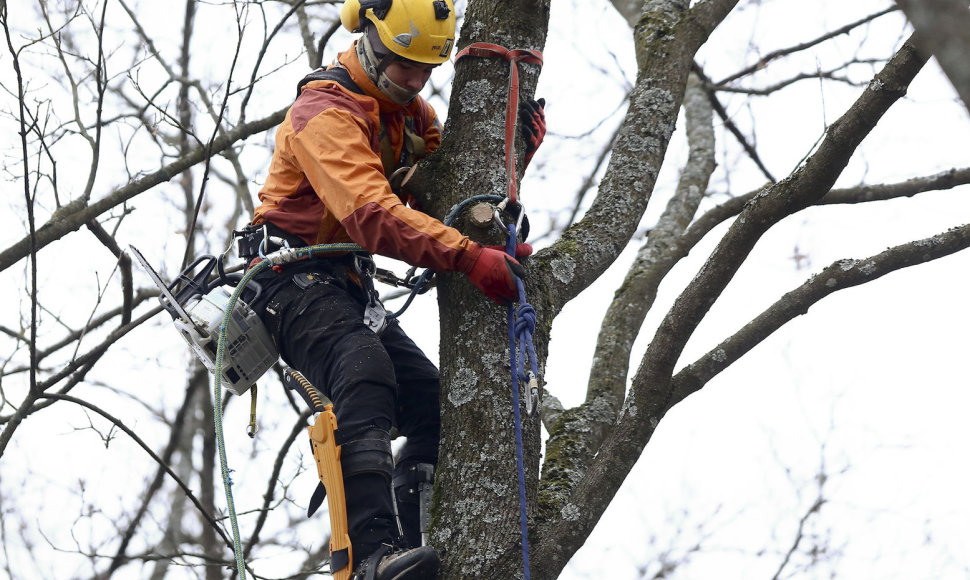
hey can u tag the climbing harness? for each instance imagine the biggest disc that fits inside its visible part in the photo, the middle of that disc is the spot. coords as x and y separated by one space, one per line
258 241
521 320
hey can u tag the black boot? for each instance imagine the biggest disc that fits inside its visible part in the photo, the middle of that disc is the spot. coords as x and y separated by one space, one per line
399 564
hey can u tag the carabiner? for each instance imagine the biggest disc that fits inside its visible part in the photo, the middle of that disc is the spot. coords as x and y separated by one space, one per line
262 244
532 399
497 215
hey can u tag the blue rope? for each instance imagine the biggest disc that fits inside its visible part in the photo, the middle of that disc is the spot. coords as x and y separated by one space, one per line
522 324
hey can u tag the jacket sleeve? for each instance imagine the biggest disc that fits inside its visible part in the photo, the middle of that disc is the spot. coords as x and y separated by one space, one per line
333 149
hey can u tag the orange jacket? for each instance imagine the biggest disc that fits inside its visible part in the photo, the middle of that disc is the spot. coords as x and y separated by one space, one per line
327 182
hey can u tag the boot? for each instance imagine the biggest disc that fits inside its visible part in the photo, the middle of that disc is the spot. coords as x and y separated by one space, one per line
399 564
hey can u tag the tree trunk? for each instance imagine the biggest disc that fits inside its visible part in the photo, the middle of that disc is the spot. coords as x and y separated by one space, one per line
476 506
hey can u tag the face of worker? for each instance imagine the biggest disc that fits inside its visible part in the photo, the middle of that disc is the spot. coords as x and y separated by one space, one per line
409 75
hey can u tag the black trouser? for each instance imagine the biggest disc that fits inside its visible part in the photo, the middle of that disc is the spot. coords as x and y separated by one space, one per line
374 382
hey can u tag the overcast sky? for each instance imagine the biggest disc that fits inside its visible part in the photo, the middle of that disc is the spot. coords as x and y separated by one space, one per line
870 387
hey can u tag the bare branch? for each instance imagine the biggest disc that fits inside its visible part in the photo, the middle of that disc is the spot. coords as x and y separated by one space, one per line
667 40
175 434
76 214
650 395
134 437
298 428
31 240
640 145
860 194
731 127
945 30
774 55
838 276
124 261
572 445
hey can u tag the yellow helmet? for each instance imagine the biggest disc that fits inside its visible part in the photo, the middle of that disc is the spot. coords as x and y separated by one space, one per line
418 30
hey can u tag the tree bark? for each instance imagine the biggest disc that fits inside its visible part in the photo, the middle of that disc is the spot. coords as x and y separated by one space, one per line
476 509
651 392
944 27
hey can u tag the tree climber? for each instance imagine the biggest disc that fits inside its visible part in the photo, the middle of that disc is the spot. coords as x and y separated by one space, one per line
349 130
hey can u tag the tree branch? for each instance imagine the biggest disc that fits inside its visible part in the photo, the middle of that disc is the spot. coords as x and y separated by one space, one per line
774 55
573 443
838 276
860 194
175 434
944 27
74 215
168 470
650 396
668 35
732 127
30 242
666 40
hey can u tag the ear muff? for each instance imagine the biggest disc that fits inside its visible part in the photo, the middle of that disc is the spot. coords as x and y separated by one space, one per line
350 15
352 12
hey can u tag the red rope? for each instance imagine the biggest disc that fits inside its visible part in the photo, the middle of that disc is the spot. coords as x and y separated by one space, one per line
513 57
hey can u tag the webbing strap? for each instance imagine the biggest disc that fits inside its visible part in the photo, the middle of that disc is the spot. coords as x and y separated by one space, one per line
514 57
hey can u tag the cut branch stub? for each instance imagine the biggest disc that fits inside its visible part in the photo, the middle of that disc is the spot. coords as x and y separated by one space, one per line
480 216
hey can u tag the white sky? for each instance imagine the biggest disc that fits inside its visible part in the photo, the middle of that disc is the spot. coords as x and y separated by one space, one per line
872 381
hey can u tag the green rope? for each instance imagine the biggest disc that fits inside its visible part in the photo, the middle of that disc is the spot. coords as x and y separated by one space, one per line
281 257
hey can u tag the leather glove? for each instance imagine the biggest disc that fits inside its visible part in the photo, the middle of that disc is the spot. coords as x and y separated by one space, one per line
494 273
532 119
521 250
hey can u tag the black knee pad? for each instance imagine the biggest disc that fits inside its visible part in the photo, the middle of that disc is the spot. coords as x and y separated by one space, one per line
367 451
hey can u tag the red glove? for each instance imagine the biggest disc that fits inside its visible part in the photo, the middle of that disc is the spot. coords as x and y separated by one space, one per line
494 273
532 118
521 250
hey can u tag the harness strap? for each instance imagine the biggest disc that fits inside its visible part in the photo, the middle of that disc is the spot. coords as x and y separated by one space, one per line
338 74
513 57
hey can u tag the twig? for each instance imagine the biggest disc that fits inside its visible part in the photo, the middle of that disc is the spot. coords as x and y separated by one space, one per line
31 224
803 46
731 127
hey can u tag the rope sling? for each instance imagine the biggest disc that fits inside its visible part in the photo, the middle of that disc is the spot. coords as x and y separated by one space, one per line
521 320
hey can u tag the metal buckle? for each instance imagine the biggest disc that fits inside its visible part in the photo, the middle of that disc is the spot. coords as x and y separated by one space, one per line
263 249
365 266
532 398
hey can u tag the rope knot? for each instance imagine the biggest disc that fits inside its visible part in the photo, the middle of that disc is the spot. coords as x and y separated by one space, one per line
525 321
